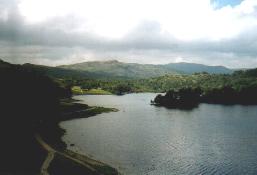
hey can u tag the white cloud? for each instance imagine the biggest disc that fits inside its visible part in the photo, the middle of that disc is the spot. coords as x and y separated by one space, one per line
186 20
146 31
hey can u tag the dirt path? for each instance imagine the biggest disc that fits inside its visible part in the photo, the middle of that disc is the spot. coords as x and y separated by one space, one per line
44 168
50 156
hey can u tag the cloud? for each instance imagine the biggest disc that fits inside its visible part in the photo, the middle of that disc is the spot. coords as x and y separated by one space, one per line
166 32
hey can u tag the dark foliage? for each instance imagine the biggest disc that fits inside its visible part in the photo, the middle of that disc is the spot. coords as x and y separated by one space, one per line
185 98
27 100
190 97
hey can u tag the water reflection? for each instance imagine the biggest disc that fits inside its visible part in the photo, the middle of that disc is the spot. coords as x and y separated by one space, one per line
144 139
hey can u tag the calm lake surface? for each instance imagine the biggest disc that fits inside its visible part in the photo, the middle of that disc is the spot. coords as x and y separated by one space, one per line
144 139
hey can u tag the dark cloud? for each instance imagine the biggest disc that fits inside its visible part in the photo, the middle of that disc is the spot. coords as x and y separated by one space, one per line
54 40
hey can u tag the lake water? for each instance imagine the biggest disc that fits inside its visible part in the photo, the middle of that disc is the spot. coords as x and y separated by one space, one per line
144 139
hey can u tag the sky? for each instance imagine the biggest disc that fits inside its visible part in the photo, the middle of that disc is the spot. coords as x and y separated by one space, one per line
56 32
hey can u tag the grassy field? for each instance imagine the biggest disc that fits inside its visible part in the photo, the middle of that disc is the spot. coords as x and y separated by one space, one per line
77 90
96 92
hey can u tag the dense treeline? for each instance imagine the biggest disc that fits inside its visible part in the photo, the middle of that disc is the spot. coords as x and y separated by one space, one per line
239 88
238 80
191 97
120 85
186 90
113 86
206 81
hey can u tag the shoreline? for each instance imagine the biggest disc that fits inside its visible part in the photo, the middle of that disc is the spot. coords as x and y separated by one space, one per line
72 109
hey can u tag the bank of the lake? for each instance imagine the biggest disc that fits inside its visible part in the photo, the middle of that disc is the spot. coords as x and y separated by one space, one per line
61 160
144 139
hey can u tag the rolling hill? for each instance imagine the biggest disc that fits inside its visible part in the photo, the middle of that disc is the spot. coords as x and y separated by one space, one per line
114 68
190 68
119 69
57 72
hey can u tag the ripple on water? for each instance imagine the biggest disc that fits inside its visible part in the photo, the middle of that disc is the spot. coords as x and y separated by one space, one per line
144 139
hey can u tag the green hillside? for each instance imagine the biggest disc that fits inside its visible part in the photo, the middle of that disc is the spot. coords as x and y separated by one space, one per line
32 105
57 72
114 68
190 68
237 80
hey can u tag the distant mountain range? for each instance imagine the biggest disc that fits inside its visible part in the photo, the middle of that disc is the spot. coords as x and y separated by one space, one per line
114 68
190 68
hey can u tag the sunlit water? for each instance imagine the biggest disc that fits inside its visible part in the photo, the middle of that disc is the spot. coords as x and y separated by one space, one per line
144 139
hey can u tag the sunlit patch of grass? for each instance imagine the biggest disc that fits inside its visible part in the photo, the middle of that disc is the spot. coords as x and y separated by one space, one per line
96 92
77 90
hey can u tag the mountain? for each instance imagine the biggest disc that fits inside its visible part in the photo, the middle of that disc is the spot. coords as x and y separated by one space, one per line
58 72
53 72
114 68
246 72
190 68
5 65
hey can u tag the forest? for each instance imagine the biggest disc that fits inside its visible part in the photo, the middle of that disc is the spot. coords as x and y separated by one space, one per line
238 81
